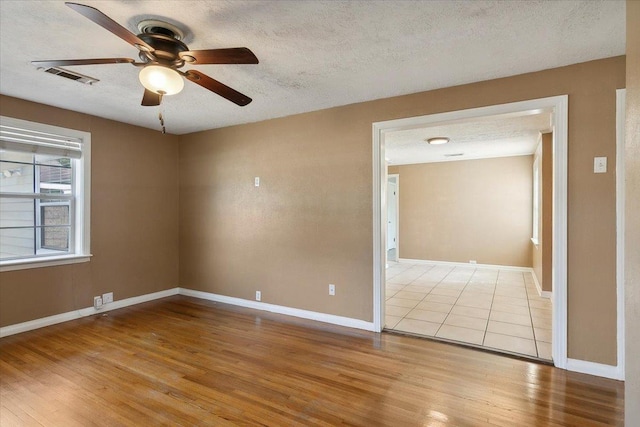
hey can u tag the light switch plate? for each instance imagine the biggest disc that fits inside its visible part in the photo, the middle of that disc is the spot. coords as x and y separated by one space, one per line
256 181
599 165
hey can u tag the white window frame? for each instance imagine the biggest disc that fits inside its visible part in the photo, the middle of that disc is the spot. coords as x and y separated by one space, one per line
80 238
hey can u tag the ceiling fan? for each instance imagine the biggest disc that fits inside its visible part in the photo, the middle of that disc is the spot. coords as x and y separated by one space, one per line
162 54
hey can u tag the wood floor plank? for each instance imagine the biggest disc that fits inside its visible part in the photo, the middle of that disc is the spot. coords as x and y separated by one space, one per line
184 361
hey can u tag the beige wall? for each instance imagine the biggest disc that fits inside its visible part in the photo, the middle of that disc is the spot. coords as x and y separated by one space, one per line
134 220
467 210
307 225
310 222
542 252
632 219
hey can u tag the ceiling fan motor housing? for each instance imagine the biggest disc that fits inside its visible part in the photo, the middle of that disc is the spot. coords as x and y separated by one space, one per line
166 50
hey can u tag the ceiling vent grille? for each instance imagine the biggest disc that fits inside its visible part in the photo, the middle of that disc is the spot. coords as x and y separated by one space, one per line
71 75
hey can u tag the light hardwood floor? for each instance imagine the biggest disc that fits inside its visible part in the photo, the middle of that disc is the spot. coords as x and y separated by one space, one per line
184 361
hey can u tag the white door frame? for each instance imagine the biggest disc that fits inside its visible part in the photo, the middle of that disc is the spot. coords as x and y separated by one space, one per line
558 106
620 202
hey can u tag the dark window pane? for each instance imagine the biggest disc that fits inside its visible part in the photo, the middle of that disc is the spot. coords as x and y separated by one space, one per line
55 238
54 215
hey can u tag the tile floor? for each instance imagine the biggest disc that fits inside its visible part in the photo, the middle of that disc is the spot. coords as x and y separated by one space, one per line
499 309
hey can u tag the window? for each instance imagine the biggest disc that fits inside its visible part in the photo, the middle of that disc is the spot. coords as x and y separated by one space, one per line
44 195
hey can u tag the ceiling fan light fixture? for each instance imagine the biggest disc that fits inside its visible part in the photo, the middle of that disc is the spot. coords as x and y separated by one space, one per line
438 140
161 80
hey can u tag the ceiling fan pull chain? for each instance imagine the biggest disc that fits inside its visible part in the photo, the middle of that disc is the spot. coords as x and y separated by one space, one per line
161 121
160 110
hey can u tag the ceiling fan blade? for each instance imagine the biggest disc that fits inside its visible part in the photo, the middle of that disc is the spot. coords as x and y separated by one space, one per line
217 87
236 55
110 25
66 62
151 99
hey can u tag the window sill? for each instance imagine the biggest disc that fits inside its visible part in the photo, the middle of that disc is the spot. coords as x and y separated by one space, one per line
23 264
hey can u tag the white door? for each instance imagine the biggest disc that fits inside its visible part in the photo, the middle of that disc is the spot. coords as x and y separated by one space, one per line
392 215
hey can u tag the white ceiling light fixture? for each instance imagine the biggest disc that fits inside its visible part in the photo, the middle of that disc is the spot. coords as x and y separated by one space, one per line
437 140
161 80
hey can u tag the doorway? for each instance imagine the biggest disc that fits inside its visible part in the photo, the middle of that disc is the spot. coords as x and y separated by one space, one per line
392 217
557 106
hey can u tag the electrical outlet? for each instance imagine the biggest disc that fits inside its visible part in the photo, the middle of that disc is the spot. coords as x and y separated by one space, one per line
258 296
97 303
107 298
472 261
332 289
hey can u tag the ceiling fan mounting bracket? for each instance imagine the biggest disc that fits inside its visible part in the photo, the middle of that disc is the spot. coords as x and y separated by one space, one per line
155 26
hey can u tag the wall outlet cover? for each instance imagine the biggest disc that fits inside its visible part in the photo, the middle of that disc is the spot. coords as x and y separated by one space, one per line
107 298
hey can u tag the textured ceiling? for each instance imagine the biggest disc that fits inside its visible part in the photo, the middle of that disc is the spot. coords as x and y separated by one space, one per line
486 137
313 54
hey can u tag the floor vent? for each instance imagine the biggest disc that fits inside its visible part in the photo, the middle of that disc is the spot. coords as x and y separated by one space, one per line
71 75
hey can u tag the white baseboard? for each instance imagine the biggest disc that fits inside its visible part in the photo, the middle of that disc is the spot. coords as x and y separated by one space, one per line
543 294
89 311
465 264
574 365
537 282
597 369
83 312
280 309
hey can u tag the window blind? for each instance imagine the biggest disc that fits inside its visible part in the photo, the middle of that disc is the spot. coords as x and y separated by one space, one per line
17 139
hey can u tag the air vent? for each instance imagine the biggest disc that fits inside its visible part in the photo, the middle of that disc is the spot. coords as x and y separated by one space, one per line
454 155
71 75
62 74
